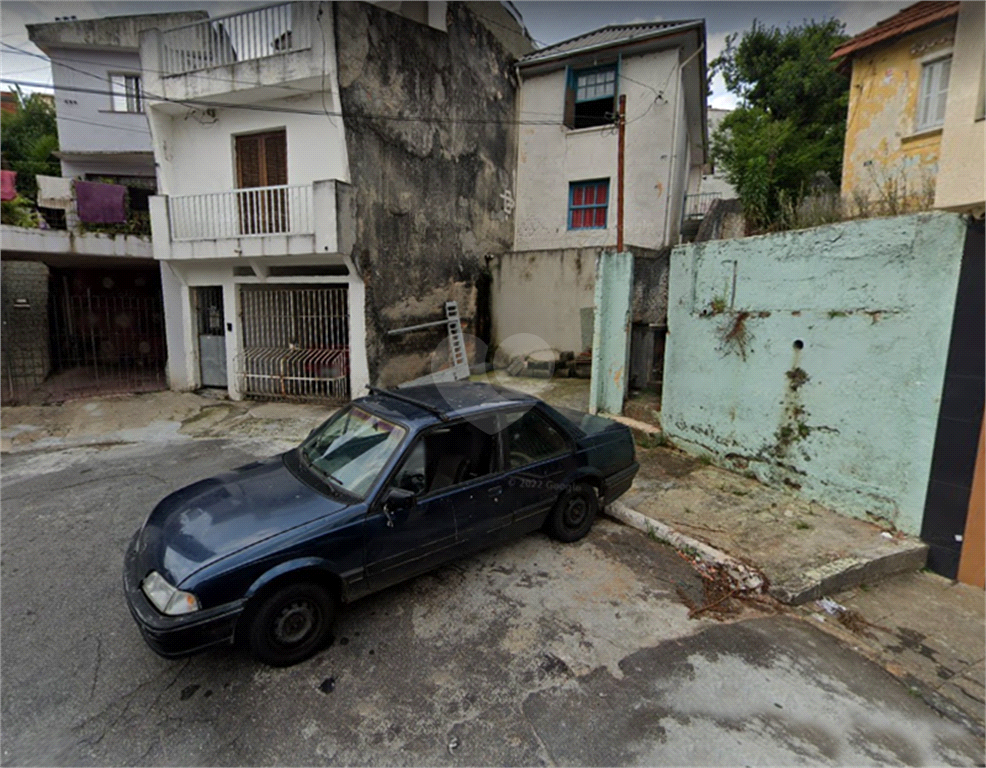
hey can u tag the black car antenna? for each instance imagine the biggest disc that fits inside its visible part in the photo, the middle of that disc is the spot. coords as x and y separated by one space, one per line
404 398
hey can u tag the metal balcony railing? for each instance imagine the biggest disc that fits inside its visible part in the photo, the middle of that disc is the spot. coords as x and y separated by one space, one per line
224 40
696 206
249 212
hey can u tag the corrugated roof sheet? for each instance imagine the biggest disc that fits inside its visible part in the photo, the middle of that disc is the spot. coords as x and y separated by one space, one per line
910 19
614 33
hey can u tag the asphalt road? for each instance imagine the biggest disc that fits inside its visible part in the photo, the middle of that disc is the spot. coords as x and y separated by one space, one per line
534 653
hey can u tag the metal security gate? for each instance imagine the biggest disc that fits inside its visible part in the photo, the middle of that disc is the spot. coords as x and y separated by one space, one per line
295 342
210 327
104 344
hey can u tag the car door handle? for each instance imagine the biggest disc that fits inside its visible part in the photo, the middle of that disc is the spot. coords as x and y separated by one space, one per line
495 492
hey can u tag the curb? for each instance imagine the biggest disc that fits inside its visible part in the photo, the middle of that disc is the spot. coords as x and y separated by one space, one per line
747 578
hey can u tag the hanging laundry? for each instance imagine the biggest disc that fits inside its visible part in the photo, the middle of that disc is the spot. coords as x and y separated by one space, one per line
54 192
7 189
101 203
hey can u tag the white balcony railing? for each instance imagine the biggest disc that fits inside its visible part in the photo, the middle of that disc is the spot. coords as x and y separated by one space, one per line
250 212
225 40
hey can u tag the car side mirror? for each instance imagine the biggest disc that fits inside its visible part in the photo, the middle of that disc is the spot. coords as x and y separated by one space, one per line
399 499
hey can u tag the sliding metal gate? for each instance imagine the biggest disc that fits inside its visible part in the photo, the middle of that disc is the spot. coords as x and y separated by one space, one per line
295 343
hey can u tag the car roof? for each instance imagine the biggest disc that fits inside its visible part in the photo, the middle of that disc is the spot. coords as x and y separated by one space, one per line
444 400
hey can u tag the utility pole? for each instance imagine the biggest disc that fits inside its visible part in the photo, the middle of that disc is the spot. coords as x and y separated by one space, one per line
622 123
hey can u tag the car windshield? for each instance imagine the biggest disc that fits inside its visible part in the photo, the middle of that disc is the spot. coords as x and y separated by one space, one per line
351 448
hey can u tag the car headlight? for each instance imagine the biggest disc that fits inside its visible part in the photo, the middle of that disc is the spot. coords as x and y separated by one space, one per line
166 598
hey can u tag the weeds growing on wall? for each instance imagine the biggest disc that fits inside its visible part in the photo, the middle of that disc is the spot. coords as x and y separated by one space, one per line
734 335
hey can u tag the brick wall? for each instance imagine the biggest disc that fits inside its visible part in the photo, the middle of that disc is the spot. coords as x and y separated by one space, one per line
25 359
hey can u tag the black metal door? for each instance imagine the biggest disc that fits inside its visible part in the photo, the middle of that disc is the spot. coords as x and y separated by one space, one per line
959 417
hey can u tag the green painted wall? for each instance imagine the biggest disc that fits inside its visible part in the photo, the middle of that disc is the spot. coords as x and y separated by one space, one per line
611 332
815 359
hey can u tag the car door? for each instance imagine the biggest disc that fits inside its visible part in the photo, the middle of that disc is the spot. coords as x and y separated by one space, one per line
538 456
450 471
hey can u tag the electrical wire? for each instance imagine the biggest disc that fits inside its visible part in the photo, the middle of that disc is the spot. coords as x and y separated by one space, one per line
200 104
102 125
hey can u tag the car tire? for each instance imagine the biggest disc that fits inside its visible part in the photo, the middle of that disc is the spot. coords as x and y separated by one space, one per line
573 514
291 624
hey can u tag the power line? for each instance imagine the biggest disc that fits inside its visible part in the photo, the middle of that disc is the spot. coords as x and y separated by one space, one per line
103 125
198 105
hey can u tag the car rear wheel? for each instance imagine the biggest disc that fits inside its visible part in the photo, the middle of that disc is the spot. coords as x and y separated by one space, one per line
291 624
573 513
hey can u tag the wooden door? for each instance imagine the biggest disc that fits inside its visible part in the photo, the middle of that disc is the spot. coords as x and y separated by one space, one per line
262 161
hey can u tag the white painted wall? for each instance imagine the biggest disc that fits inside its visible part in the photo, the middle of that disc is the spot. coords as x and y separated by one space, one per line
86 121
179 277
196 153
552 156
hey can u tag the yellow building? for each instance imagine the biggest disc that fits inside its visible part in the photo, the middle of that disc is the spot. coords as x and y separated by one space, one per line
901 72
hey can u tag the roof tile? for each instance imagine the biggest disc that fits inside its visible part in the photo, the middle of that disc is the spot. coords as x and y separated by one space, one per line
910 19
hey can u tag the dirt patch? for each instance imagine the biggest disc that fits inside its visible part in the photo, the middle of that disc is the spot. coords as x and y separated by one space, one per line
644 406
666 462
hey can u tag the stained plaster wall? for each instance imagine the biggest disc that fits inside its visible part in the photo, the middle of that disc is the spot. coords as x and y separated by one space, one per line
824 370
552 156
963 143
430 195
885 155
541 295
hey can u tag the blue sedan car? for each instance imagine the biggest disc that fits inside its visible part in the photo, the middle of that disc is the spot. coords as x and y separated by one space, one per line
392 485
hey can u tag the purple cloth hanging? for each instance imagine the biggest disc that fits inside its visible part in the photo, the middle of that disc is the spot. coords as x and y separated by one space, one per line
8 191
101 203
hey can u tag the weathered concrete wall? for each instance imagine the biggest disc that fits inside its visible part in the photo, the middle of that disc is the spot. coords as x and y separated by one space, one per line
887 158
962 168
815 359
431 191
543 294
25 357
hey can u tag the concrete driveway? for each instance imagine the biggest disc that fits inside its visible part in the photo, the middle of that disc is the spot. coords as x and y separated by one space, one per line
534 653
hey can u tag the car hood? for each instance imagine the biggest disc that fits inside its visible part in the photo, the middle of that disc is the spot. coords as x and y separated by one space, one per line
213 518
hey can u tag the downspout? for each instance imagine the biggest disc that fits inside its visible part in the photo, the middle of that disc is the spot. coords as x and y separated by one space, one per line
674 140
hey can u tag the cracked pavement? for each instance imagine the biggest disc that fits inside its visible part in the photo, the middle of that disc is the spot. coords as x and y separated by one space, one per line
529 654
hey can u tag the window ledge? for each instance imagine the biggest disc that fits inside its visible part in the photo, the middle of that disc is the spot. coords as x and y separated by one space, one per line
927 133
590 129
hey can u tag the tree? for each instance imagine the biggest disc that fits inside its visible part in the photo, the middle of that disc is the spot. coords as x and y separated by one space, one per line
791 121
29 138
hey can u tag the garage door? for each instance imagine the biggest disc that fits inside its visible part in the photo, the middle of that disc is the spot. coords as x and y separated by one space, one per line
295 343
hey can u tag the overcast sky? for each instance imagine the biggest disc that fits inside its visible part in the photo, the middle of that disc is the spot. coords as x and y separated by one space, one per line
547 21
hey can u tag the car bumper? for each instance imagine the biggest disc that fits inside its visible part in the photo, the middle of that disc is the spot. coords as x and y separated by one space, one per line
619 483
176 636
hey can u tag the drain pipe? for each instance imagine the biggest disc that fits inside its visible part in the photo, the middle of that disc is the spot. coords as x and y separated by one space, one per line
674 141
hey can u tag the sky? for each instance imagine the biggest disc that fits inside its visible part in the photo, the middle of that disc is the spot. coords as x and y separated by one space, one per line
548 21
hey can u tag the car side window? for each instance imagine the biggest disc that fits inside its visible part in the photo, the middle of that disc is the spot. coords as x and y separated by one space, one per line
531 438
449 455
411 475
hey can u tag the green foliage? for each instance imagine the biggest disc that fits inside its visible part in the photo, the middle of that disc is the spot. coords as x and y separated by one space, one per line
790 124
29 138
19 212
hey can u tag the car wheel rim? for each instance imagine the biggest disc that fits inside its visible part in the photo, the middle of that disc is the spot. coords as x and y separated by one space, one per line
575 512
295 623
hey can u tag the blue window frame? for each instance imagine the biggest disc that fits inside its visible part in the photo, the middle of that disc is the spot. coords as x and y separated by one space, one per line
588 202
594 84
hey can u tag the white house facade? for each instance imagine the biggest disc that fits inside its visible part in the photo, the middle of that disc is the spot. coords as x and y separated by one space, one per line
281 260
567 158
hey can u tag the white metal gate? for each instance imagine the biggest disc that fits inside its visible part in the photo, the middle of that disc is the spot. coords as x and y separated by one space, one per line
295 342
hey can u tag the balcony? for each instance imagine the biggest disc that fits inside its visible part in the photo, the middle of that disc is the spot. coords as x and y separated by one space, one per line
253 222
225 40
253 212
262 53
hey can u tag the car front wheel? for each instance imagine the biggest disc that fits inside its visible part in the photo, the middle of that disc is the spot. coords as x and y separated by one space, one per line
573 513
291 624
